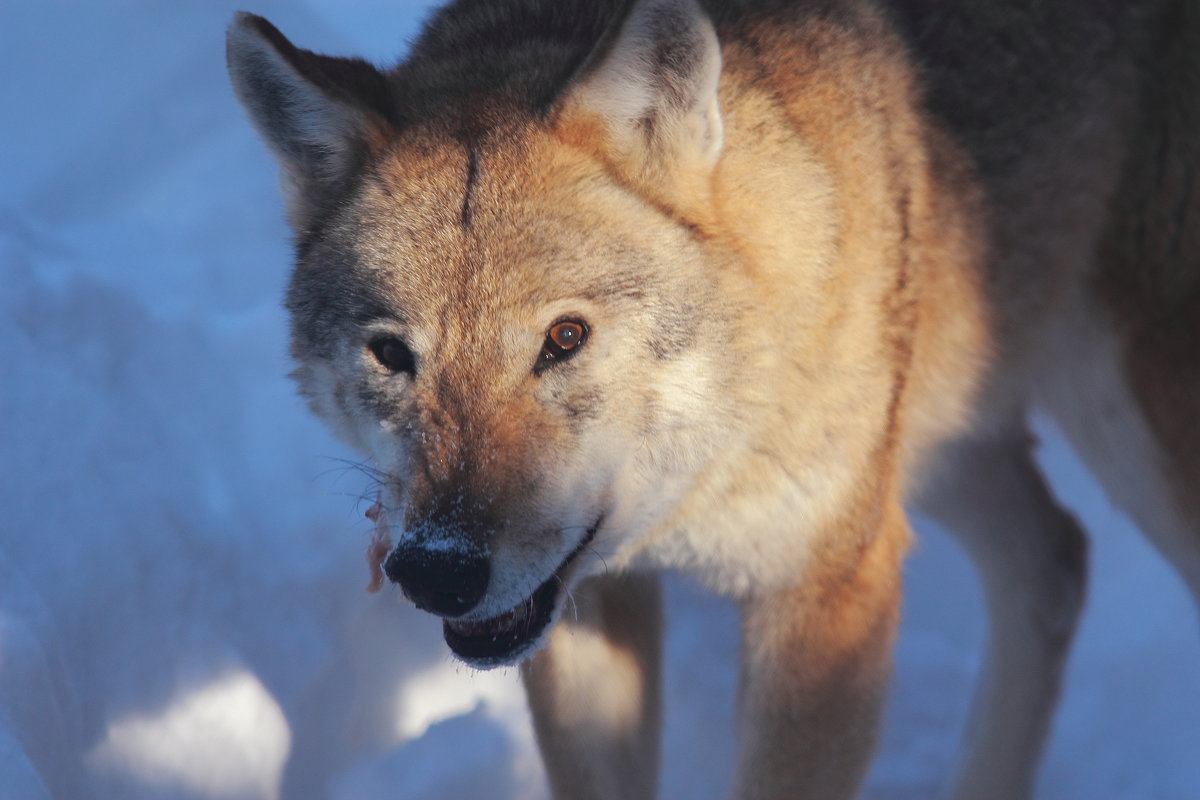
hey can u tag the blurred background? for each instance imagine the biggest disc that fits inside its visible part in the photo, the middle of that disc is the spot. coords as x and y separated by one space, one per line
182 604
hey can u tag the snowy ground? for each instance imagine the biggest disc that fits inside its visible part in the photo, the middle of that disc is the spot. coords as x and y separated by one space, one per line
182 611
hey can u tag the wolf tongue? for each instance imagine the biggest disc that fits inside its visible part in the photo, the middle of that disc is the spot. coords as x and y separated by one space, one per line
499 624
509 619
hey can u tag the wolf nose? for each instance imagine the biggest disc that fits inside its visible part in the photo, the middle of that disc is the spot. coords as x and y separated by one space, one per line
443 582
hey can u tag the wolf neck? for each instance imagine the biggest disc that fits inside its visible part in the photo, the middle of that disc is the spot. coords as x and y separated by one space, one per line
844 213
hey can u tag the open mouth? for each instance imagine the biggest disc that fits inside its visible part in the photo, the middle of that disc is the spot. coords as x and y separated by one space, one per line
501 639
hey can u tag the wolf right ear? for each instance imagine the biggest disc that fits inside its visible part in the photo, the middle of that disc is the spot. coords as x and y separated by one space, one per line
650 91
319 115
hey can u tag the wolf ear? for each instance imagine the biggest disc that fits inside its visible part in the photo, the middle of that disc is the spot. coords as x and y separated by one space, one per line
318 114
651 84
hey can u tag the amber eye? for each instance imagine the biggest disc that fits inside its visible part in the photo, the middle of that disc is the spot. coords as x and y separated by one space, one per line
563 339
567 335
394 354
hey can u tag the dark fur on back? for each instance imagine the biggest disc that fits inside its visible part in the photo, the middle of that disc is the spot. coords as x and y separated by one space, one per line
527 51
524 51
998 73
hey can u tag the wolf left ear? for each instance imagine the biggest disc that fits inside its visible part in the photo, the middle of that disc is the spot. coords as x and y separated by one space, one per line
318 114
652 87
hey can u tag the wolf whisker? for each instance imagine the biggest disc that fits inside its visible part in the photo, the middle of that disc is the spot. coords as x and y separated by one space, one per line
598 555
570 597
352 465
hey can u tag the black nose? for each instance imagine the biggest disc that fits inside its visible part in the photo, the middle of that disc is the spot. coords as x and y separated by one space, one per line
444 582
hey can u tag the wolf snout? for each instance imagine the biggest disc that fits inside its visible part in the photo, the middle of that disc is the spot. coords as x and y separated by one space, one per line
448 582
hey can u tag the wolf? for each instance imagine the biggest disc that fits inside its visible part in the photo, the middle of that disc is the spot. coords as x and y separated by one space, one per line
605 288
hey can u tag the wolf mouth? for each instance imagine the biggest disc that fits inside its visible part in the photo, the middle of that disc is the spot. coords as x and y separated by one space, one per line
505 637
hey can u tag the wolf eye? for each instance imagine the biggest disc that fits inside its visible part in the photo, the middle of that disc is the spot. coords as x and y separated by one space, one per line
394 355
566 335
563 339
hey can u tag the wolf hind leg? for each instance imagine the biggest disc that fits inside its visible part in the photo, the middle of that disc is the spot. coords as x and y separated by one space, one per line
595 691
1031 557
1129 406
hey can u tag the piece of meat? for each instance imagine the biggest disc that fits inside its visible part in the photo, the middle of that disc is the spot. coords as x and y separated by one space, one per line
377 550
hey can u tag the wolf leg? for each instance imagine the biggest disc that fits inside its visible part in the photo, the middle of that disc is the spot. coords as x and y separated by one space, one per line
815 664
595 691
1032 559
1129 405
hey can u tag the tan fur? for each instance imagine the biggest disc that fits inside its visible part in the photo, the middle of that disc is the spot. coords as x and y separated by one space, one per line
828 256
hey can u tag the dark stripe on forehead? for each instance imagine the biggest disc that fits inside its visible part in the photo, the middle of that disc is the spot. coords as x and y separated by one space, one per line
472 177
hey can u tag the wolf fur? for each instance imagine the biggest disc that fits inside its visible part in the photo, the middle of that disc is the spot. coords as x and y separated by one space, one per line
610 287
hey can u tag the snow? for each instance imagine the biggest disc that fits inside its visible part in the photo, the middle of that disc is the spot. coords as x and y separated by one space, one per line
182 612
232 721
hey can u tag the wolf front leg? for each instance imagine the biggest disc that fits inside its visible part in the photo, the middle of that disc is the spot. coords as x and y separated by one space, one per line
595 691
815 664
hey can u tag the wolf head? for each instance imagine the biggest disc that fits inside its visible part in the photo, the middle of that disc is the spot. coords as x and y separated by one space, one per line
500 288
